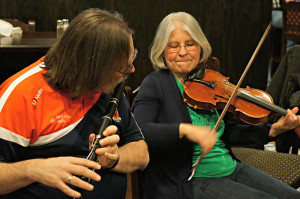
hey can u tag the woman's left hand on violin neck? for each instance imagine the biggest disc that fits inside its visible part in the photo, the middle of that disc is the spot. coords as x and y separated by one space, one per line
288 122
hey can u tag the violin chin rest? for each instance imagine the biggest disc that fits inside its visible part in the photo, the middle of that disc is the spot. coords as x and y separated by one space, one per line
197 73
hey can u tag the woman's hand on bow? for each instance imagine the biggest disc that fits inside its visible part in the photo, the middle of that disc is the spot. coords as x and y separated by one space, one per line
201 135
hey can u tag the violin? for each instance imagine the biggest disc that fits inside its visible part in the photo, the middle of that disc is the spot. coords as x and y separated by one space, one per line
209 90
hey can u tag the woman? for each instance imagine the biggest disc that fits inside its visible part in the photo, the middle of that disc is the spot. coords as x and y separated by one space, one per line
177 135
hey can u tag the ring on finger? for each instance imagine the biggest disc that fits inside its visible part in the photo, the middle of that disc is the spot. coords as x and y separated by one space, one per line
70 178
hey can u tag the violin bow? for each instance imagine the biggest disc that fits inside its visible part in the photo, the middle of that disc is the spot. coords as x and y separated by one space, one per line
234 93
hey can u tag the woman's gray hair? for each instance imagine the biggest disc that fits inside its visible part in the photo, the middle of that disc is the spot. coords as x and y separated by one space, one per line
167 25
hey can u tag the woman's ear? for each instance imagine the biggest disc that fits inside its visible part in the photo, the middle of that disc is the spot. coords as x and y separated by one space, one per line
201 55
164 60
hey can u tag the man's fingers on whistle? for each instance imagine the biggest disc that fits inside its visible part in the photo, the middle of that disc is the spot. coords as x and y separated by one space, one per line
110 130
77 182
82 172
80 164
111 140
104 150
68 191
111 156
92 137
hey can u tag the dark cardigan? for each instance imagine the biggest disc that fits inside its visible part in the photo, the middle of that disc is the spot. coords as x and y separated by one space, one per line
159 109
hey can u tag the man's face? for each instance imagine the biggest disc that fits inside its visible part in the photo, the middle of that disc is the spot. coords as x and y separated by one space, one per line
121 75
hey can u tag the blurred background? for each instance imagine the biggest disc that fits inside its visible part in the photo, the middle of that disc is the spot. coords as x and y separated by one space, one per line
233 28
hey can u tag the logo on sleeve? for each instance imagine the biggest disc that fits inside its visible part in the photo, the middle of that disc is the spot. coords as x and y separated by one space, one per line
37 96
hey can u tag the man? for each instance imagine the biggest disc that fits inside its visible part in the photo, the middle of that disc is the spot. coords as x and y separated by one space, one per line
50 110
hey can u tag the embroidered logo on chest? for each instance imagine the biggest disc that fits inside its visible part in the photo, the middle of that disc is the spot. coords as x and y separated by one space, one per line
61 118
116 116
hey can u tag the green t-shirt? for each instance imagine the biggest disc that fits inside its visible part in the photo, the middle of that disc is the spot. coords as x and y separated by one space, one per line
218 162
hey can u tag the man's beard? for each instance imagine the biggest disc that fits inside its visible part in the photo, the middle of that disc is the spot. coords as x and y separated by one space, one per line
111 87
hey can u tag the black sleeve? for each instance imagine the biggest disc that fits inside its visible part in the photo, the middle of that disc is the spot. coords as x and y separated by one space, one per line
148 106
245 134
11 152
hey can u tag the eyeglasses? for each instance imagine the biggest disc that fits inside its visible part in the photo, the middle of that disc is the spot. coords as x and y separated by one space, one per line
175 47
135 53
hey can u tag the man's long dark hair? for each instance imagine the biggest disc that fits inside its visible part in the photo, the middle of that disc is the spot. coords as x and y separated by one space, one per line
94 45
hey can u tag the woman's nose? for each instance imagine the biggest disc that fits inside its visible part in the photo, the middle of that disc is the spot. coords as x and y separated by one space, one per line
182 51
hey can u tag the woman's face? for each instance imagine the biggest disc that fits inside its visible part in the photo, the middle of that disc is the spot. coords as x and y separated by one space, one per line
182 62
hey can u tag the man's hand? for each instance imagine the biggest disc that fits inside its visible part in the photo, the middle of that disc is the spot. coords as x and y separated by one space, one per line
108 154
57 172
